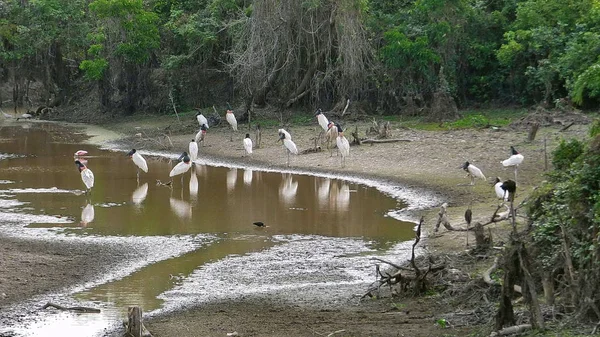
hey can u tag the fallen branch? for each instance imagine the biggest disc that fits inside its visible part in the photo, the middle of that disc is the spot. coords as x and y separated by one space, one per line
382 141
76 309
511 330
566 127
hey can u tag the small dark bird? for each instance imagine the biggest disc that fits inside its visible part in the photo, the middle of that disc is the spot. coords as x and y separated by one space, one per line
259 224
510 187
468 218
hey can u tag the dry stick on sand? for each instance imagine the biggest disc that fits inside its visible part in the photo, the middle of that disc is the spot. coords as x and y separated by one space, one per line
76 309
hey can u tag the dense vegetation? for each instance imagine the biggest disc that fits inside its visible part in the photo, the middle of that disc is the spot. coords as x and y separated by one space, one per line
565 219
402 57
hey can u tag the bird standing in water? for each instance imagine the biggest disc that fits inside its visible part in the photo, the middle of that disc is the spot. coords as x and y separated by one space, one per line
248 144
193 148
87 176
514 160
473 172
289 145
182 167
139 161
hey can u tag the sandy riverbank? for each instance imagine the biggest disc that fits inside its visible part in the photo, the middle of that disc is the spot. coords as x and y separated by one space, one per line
429 161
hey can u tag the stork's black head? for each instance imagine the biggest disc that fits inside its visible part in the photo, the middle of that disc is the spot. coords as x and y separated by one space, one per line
130 153
497 180
80 166
465 166
247 135
281 136
193 140
318 112
513 151
229 106
183 157
203 127
339 127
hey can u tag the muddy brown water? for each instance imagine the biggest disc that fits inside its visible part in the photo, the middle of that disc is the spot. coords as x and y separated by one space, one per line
219 203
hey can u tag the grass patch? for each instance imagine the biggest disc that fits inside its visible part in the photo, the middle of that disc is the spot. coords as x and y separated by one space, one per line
471 119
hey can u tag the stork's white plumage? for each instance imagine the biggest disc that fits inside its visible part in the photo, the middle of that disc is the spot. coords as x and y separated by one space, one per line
473 171
500 193
323 122
202 120
344 147
182 167
138 160
330 135
231 119
87 176
289 145
284 132
193 148
515 158
248 144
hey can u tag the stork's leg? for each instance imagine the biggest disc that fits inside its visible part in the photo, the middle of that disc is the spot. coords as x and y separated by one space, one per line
516 169
288 158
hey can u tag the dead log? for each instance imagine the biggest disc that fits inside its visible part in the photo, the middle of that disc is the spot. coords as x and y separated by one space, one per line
382 141
356 140
511 330
566 127
135 325
76 309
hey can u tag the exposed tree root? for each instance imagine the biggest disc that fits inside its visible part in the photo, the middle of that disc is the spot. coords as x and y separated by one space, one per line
76 309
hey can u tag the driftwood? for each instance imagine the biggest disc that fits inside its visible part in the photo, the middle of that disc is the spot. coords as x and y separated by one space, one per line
486 275
409 277
76 309
511 330
382 141
566 127
135 325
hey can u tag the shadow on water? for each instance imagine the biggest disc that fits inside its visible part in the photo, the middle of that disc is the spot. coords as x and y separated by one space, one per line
37 163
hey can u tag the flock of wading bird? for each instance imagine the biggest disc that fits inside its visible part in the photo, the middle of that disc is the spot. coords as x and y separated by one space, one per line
504 190
331 130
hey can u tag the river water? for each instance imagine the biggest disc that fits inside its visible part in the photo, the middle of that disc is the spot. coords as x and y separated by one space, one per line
187 241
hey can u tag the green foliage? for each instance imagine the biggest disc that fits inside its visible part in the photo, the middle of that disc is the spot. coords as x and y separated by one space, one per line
567 207
94 69
566 153
595 128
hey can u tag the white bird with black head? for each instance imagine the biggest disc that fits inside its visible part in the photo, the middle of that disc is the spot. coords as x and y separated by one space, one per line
515 159
289 145
230 117
202 120
182 167
193 148
87 176
139 161
473 172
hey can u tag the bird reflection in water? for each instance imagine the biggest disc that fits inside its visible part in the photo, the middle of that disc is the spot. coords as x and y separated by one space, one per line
194 185
340 196
181 208
323 191
87 215
231 179
139 195
288 188
247 177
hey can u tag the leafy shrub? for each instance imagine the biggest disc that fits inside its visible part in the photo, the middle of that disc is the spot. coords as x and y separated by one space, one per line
566 153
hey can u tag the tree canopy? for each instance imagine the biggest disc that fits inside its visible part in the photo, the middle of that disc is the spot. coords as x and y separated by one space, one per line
393 56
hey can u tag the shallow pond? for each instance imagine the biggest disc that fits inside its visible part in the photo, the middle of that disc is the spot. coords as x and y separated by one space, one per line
190 238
